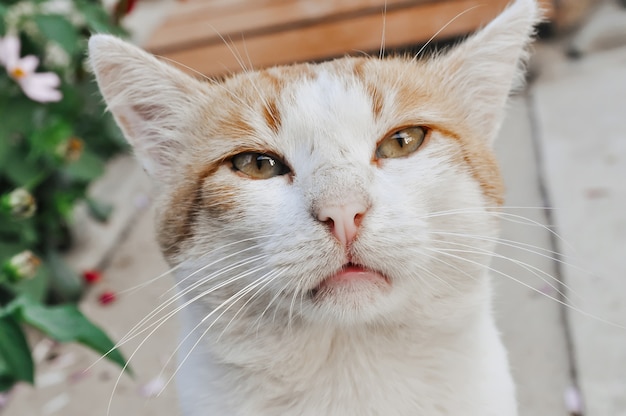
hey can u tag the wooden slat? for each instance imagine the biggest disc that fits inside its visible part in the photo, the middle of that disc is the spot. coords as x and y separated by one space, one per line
404 27
194 25
321 39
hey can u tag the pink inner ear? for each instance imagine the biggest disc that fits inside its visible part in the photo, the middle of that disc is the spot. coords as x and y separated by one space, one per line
148 112
141 127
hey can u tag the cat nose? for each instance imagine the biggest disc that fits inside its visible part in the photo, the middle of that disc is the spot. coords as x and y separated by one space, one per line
343 220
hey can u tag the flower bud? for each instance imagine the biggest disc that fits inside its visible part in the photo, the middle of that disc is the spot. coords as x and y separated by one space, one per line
22 266
19 203
70 150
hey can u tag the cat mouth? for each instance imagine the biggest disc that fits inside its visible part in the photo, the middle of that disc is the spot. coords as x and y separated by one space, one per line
351 278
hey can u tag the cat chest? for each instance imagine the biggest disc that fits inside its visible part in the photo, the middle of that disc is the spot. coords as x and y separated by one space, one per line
356 383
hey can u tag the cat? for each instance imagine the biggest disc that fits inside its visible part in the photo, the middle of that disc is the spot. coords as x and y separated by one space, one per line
330 225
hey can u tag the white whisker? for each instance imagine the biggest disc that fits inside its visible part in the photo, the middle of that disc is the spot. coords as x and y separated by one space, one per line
567 305
232 300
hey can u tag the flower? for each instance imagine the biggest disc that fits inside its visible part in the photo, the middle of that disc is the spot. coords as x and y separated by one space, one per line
22 266
37 86
71 149
19 203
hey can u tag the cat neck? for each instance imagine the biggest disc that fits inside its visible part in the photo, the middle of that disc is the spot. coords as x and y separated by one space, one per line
378 366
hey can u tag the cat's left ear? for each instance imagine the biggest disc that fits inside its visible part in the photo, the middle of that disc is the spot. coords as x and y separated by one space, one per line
482 71
152 102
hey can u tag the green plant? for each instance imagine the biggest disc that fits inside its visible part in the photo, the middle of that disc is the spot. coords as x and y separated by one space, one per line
54 140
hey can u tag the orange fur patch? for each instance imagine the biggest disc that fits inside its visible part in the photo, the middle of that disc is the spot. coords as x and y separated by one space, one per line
272 115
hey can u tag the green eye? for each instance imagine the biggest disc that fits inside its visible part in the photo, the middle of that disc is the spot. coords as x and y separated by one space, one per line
259 165
401 143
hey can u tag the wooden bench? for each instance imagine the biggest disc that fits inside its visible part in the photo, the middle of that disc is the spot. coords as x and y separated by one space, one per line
221 36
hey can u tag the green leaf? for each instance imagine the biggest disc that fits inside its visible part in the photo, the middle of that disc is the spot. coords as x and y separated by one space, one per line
60 30
14 350
4 147
6 378
45 141
6 382
18 114
21 171
99 210
98 19
66 323
3 29
87 168
36 287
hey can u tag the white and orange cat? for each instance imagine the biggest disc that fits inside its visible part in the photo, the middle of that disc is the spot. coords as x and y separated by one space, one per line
319 220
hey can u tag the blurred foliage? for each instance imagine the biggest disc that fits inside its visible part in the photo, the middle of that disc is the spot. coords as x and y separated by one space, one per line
49 153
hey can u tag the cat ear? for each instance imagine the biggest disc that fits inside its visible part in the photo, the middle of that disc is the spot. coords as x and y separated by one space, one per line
487 66
150 100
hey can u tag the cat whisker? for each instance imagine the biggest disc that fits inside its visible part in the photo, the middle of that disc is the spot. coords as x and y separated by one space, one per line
232 300
135 288
381 52
559 301
528 267
269 279
469 9
137 328
259 319
485 209
166 318
234 52
203 268
547 253
177 63
291 305
171 357
245 49
140 286
513 218
187 290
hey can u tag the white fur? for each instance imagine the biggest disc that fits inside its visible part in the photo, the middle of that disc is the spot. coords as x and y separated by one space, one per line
425 346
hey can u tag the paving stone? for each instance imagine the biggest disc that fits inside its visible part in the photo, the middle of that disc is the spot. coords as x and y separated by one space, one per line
582 125
529 320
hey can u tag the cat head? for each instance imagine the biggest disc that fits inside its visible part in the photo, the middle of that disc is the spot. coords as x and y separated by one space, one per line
346 191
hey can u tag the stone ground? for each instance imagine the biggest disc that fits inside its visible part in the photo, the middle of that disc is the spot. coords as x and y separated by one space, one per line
563 146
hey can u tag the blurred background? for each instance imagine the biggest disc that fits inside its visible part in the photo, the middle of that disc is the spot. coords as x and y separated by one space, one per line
78 260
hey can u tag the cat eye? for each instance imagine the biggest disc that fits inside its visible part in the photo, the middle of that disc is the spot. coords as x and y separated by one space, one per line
401 143
259 165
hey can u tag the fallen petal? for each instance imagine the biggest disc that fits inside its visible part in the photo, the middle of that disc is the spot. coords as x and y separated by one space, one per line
4 400
153 387
56 404
573 401
92 276
77 376
106 298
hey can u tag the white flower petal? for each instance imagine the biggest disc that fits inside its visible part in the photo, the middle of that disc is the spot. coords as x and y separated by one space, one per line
10 50
28 63
41 87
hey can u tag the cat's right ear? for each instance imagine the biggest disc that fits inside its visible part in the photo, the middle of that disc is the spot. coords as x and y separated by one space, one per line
150 100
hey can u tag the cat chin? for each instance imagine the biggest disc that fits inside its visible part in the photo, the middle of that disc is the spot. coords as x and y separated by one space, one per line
351 296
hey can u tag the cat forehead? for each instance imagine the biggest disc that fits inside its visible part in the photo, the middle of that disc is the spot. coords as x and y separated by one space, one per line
348 93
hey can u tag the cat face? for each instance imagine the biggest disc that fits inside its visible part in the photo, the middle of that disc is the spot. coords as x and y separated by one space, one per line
342 192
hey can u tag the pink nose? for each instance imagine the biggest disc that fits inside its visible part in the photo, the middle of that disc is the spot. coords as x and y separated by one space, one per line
344 220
